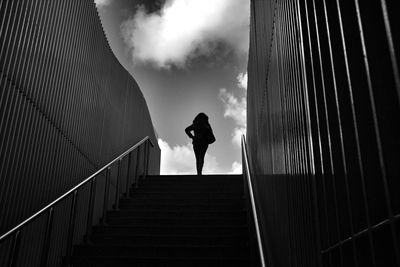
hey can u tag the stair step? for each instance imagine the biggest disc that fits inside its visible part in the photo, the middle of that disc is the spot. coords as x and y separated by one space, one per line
150 180
132 217
204 185
193 181
203 201
182 207
188 189
177 214
158 262
176 221
183 195
201 183
170 240
199 230
195 177
160 251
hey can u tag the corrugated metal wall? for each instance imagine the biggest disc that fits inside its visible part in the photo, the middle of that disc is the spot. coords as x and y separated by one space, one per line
324 130
67 106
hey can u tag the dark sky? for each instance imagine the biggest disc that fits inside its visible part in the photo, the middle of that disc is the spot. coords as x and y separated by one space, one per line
176 93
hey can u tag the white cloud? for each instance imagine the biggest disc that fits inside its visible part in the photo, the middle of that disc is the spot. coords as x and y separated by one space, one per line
237 135
181 160
184 29
235 108
102 3
236 168
242 80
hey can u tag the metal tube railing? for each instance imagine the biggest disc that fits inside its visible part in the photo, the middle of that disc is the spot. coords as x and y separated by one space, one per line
247 175
15 232
71 227
127 184
137 168
117 185
106 195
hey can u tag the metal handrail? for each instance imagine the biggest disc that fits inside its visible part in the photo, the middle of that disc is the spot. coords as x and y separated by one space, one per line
15 231
246 172
22 224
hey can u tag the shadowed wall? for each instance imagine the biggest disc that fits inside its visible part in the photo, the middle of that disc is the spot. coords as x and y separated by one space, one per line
323 130
67 107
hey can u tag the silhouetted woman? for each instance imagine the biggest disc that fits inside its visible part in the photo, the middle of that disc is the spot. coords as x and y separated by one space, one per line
203 136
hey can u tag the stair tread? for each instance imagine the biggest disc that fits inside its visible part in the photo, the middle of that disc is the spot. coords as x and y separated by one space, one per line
162 235
170 247
210 229
182 196
203 177
180 209
180 226
162 258
186 193
188 211
173 221
185 215
185 220
160 262
161 251
190 221
168 239
180 204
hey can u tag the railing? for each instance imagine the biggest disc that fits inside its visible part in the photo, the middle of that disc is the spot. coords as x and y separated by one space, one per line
15 233
249 185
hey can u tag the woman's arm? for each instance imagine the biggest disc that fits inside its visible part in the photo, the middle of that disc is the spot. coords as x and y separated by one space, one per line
188 131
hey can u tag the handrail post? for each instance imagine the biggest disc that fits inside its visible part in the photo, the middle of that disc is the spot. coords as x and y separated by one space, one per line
117 185
12 258
71 229
127 175
137 168
147 158
90 209
106 196
46 242
144 160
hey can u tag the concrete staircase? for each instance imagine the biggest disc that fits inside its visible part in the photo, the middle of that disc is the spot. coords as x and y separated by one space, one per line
173 221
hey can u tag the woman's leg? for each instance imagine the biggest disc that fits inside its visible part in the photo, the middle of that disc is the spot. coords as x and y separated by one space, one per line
197 155
203 151
200 152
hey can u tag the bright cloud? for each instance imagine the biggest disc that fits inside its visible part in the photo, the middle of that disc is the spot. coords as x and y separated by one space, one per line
236 168
181 160
184 29
237 135
102 3
242 80
235 108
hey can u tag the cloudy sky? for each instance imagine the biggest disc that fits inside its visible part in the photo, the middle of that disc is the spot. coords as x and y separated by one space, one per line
188 56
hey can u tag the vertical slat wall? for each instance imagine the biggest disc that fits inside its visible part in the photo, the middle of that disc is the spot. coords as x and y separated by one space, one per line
67 106
323 130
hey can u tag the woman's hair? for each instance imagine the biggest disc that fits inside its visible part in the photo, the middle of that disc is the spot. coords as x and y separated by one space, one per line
200 118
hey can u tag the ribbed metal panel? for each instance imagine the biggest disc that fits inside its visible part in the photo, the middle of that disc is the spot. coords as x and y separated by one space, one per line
323 130
67 107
